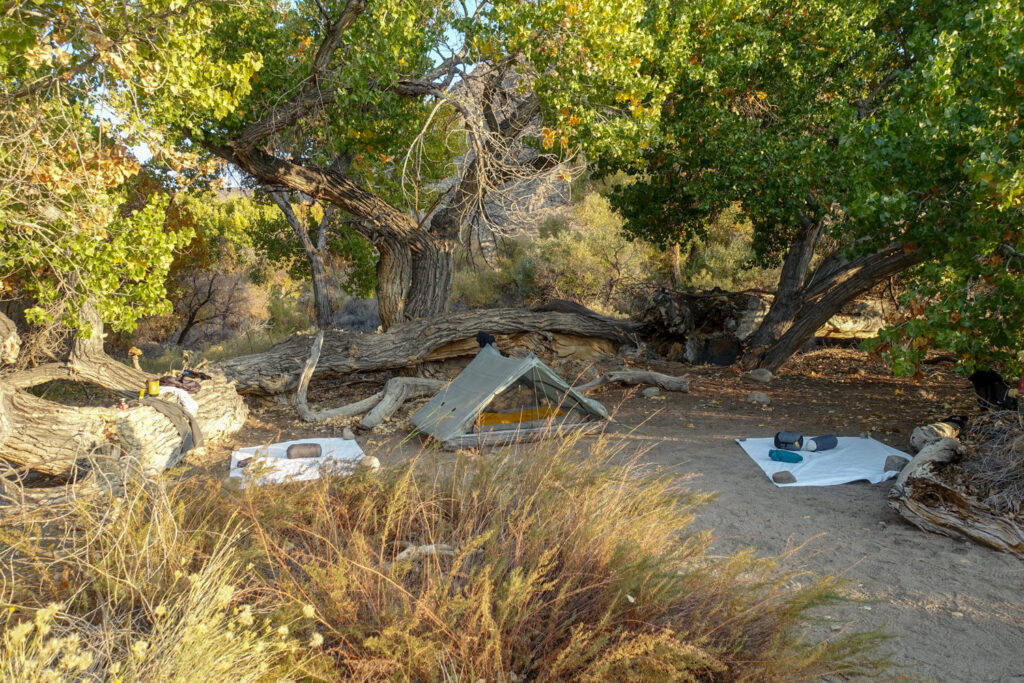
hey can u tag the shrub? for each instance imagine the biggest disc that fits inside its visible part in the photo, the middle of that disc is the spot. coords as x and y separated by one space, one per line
533 565
725 257
134 587
583 257
538 564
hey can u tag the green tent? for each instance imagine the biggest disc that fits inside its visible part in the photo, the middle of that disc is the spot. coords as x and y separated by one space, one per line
537 403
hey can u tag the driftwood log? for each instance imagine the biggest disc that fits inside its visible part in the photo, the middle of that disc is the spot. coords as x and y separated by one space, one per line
932 503
632 377
453 335
51 438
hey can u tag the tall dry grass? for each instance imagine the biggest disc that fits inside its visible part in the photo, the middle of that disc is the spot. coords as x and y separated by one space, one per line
133 583
559 561
539 564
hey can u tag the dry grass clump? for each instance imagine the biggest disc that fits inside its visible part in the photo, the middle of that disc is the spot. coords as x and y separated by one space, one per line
539 564
132 586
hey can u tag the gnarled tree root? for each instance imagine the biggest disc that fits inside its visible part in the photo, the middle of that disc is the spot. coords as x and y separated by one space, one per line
931 503
384 403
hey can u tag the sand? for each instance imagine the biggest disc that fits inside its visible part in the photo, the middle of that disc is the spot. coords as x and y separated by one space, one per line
955 609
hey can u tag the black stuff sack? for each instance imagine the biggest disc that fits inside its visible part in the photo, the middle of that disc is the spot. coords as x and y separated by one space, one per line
789 441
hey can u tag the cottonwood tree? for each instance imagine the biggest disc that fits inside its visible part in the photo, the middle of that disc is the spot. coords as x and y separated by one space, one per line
312 242
877 137
351 94
81 83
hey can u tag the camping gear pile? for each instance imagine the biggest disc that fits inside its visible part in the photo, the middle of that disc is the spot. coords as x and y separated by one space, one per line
790 459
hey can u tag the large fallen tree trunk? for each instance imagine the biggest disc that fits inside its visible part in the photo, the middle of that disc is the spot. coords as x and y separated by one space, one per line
453 335
51 438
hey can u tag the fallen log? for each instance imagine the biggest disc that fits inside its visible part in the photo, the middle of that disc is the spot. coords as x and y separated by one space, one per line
383 404
48 437
278 369
633 377
929 501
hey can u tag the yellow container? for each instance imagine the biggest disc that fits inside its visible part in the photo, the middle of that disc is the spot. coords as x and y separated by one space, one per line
153 387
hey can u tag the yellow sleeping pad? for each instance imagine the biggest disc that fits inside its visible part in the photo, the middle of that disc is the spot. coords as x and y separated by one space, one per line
517 416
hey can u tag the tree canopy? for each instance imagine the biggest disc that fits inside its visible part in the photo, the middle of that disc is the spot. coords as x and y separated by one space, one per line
82 84
863 138
892 123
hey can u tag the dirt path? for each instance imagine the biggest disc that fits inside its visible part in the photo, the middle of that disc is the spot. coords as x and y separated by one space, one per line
956 610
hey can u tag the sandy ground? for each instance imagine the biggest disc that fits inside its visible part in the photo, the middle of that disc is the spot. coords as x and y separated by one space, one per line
955 609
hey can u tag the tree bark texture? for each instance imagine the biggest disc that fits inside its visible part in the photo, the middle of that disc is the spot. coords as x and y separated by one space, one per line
10 342
787 299
453 335
50 437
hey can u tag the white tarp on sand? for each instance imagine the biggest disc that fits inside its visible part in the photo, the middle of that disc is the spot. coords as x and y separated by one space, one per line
273 466
854 459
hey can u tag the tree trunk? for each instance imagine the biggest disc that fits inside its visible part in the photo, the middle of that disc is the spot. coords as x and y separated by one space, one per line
788 293
315 256
408 344
433 269
49 437
823 297
414 276
676 271
189 324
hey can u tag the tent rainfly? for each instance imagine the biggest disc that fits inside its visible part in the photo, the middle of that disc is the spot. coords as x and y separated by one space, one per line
530 401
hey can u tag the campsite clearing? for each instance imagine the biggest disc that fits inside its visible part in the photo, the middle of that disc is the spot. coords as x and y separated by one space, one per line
955 610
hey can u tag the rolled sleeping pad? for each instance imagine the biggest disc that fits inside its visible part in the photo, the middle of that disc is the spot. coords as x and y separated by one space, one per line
822 443
789 440
304 450
779 455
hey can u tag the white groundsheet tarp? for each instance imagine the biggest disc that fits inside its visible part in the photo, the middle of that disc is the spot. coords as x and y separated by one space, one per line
272 465
854 459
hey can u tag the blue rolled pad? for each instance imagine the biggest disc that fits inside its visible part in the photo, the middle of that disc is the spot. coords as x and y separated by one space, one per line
779 455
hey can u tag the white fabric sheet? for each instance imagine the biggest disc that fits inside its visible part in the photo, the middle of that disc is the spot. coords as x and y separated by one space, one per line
274 467
854 459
